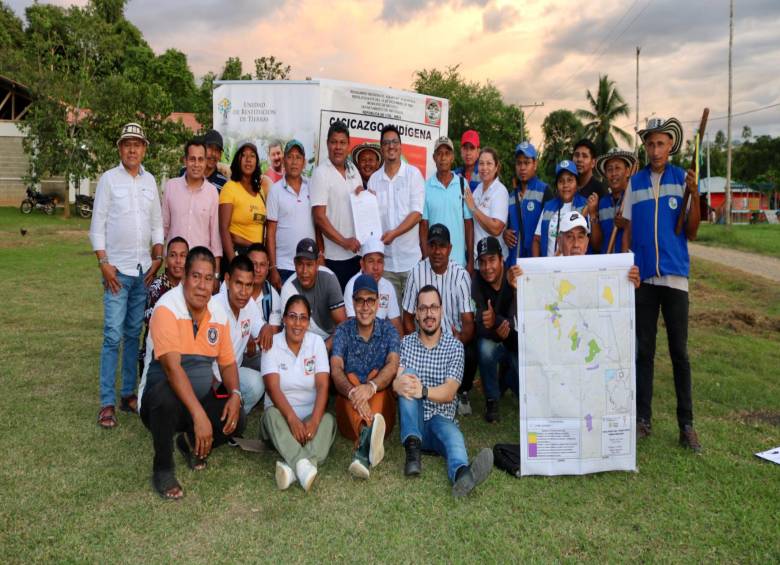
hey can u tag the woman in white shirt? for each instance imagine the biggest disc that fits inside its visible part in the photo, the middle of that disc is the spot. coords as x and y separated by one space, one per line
297 373
489 204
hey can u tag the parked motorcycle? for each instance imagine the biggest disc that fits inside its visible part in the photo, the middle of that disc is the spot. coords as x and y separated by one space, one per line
39 201
84 204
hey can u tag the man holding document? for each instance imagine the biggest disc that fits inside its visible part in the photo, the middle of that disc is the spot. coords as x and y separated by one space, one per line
400 191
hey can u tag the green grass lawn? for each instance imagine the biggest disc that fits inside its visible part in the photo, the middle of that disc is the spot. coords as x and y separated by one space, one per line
757 238
72 492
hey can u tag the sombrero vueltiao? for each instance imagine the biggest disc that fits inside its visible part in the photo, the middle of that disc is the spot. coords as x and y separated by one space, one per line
358 149
615 153
671 127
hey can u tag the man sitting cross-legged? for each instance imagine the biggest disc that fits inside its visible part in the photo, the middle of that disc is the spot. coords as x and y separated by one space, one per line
363 364
188 331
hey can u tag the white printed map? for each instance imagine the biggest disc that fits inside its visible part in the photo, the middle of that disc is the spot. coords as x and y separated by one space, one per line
576 360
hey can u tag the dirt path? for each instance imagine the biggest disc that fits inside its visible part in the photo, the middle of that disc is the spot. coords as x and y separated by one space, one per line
761 265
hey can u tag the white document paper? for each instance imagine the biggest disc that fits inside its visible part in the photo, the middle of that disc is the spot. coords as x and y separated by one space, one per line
576 359
365 213
772 455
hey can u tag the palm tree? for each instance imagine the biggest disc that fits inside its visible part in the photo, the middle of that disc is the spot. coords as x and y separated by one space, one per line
604 111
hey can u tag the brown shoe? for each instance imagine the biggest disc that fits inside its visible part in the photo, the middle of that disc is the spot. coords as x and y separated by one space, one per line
689 438
643 429
129 404
107 417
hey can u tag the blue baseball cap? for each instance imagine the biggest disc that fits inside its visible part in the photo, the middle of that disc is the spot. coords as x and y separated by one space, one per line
526 149
364 282
565 166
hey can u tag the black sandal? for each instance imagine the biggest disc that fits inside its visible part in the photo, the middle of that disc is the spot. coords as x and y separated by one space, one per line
129 404
164 482
184 447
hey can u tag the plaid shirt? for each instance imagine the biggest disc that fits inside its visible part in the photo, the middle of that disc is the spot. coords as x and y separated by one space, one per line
434 366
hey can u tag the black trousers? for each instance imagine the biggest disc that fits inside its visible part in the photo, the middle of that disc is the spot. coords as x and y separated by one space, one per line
344 270
165 416
470 363
673 303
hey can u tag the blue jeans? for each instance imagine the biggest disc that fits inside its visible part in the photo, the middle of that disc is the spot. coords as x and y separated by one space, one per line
124 316
252 387
438 434
491 353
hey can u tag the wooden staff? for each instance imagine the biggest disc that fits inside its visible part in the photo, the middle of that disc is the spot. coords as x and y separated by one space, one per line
613 235
687 195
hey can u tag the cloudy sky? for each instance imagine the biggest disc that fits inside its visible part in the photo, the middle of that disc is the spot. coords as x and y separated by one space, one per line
533 50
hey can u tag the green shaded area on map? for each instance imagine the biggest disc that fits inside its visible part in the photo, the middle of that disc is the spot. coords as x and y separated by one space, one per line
593 350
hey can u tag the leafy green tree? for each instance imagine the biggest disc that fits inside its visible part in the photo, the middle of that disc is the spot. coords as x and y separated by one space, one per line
605 108
269 68
204 108
561 130
11 42
171 71
479 107
234 70
747 133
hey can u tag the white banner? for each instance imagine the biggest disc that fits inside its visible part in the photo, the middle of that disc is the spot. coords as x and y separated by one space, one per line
576 359
265 111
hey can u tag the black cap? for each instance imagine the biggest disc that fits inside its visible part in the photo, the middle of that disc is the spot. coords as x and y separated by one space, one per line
307 249
439 233
488 246
213 137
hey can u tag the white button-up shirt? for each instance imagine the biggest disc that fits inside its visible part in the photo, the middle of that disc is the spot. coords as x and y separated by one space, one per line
126 219
398 197
328 188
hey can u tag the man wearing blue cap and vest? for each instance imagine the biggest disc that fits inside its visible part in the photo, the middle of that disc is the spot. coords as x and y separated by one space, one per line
652 204
525 204
545 243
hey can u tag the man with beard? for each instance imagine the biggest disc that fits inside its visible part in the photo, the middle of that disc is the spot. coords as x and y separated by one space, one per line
427 385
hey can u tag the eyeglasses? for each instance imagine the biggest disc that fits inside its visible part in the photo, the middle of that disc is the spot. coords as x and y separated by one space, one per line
391 142
360 302
433 309
293 317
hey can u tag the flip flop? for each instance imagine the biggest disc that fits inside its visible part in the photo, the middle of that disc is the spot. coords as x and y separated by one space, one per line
129 404
184 447
164 482
107 417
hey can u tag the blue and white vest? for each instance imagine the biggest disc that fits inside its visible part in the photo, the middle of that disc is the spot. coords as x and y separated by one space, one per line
531 209
607 210
552 208
658 251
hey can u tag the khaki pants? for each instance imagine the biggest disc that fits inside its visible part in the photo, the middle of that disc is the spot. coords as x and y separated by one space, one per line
350 422
274 428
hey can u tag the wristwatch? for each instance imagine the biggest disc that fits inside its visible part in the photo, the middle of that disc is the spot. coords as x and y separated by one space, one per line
238 393
103 261
424 392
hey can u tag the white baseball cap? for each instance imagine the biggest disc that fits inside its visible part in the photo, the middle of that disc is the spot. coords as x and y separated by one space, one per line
573 220
372 245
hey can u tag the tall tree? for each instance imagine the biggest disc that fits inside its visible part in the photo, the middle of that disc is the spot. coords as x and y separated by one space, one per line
475 106
234 70
269 68
171 71
561 130
605 108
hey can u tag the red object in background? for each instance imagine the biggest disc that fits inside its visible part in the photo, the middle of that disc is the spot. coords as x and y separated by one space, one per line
412 154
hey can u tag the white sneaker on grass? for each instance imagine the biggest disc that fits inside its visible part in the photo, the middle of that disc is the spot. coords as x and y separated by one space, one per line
306 473
284 475
377 451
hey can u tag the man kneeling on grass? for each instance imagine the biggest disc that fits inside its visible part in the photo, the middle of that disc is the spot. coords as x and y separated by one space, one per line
363 364
188 331
427 384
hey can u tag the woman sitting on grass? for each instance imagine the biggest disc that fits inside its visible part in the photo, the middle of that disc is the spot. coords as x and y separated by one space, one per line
297 375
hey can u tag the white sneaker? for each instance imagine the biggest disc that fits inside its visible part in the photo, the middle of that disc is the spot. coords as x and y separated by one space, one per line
284 475
377 450
464 406
306 473
359 470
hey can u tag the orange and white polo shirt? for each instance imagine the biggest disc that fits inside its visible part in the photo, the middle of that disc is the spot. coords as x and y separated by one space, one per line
171 330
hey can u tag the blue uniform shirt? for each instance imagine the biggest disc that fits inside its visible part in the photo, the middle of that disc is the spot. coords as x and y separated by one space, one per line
537 193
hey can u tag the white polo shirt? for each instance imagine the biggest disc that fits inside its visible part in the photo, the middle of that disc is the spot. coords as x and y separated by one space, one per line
296 372
494 203
292 214
328 188
275 316
398 197
248 323
388 302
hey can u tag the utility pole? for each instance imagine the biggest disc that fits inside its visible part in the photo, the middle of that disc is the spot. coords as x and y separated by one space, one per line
636 122
522 116
728 126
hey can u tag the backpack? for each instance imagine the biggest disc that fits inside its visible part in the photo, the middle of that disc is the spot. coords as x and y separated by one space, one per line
506 456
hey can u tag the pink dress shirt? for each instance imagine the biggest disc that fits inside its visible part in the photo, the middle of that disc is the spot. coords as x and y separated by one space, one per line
192 214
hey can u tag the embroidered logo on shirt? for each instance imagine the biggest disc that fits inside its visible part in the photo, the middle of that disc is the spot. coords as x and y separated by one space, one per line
530 206
212 335
282 366
673 203
308 365
384 300
244 328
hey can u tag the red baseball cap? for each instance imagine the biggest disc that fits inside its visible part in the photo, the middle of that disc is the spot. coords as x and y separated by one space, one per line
470 136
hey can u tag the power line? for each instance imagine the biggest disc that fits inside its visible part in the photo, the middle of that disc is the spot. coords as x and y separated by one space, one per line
725 116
